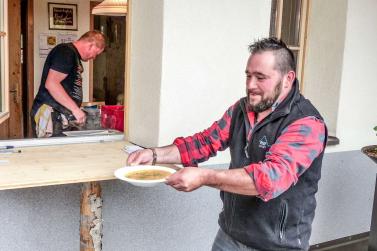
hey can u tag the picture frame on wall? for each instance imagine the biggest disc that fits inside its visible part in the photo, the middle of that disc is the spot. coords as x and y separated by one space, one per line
62 16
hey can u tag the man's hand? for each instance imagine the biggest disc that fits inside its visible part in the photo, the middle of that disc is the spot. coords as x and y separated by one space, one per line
140 157
79 115
188 179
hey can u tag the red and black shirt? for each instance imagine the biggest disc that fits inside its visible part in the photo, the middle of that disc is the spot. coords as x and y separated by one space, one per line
304 133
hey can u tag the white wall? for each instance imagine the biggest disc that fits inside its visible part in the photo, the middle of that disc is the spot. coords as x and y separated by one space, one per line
324 57
345 196
203 62
145 71
41 26
357 113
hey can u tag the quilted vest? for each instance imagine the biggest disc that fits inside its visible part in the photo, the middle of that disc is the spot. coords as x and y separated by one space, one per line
282 223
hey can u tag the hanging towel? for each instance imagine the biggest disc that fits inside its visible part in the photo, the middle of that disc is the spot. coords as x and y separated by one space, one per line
43 121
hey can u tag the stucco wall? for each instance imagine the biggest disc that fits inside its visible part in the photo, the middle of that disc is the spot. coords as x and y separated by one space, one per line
324 57
145 71
357 115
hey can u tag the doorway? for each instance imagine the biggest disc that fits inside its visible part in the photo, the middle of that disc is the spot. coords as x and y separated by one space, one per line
20 20
108 79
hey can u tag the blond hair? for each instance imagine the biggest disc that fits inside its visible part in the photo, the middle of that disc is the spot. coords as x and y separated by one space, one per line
94 36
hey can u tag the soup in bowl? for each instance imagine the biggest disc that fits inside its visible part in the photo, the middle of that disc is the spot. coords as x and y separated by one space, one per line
144 175
147 174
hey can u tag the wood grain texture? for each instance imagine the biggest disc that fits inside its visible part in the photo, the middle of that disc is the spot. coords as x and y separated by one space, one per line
29 85
15 129
127 71
91 217
63 164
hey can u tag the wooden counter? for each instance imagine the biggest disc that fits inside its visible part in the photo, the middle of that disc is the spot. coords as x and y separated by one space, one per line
61 164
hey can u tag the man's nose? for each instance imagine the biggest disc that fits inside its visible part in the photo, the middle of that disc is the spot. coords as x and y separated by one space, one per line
251 83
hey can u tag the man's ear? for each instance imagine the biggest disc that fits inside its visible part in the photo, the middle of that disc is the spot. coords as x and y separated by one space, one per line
91 45
290 78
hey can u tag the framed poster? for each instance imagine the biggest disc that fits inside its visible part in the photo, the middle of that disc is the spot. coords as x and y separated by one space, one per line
62 16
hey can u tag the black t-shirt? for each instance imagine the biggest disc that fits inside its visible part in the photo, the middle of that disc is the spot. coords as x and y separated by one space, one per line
66 59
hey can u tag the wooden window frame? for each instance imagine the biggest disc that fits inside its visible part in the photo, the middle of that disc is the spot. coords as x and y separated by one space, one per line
275 30
4 65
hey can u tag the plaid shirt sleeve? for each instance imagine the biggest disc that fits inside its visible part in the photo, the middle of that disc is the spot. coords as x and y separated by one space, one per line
201 146
288 158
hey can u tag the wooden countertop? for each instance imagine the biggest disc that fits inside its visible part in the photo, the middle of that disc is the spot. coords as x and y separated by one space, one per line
61 164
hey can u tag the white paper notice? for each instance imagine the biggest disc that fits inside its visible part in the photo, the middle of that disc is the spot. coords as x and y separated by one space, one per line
66 38
46 43
131 148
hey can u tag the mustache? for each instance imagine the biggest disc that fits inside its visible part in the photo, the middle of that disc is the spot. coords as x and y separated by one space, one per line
253 92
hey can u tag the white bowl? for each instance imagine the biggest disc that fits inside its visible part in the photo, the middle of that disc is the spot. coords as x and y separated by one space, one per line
121 174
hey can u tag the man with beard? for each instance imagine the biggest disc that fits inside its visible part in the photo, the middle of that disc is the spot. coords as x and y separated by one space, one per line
276 139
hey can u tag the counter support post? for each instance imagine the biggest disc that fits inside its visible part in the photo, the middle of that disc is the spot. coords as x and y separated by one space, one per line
91 217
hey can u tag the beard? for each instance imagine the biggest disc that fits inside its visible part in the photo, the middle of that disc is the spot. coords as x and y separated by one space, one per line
266 102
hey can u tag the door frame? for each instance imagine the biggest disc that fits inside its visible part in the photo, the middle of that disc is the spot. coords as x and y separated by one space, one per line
91 26
13 126
127 64
28 83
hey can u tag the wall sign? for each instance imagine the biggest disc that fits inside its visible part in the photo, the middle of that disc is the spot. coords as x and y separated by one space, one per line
62 16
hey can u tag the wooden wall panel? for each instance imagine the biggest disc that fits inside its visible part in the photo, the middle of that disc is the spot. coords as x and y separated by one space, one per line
15 121
30 63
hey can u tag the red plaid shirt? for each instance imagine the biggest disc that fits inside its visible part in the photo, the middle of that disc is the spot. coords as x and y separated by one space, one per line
309 132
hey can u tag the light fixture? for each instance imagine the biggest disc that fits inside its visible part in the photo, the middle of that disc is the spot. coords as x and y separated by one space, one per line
111 8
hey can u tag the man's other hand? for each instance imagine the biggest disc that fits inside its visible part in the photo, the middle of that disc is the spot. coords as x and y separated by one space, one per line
188 179
140 157
80 116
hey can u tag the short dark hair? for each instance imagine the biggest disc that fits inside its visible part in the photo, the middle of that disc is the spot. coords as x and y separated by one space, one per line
285 60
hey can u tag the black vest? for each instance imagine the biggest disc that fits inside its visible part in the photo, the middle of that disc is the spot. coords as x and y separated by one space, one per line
282 223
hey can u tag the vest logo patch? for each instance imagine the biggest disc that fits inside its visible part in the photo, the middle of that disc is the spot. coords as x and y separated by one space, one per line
263 143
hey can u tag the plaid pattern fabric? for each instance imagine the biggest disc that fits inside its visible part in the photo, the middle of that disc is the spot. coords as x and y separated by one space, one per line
288 158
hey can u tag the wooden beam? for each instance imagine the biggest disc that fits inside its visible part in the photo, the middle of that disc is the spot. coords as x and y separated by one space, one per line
91 27
29 63
279 18
91 217
127 70
305 12
16 125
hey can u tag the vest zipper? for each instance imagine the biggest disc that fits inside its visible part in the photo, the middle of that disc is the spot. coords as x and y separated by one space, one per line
232 196
283 219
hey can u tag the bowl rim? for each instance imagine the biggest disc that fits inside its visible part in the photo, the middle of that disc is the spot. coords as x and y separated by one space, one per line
121 172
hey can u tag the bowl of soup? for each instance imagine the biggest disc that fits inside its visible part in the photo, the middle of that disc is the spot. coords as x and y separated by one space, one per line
144 175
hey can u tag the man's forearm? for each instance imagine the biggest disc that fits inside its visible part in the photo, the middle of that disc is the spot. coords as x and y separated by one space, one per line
168 154
56 90
234 181
60 95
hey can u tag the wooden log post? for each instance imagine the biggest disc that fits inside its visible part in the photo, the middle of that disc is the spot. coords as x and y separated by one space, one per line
91 217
